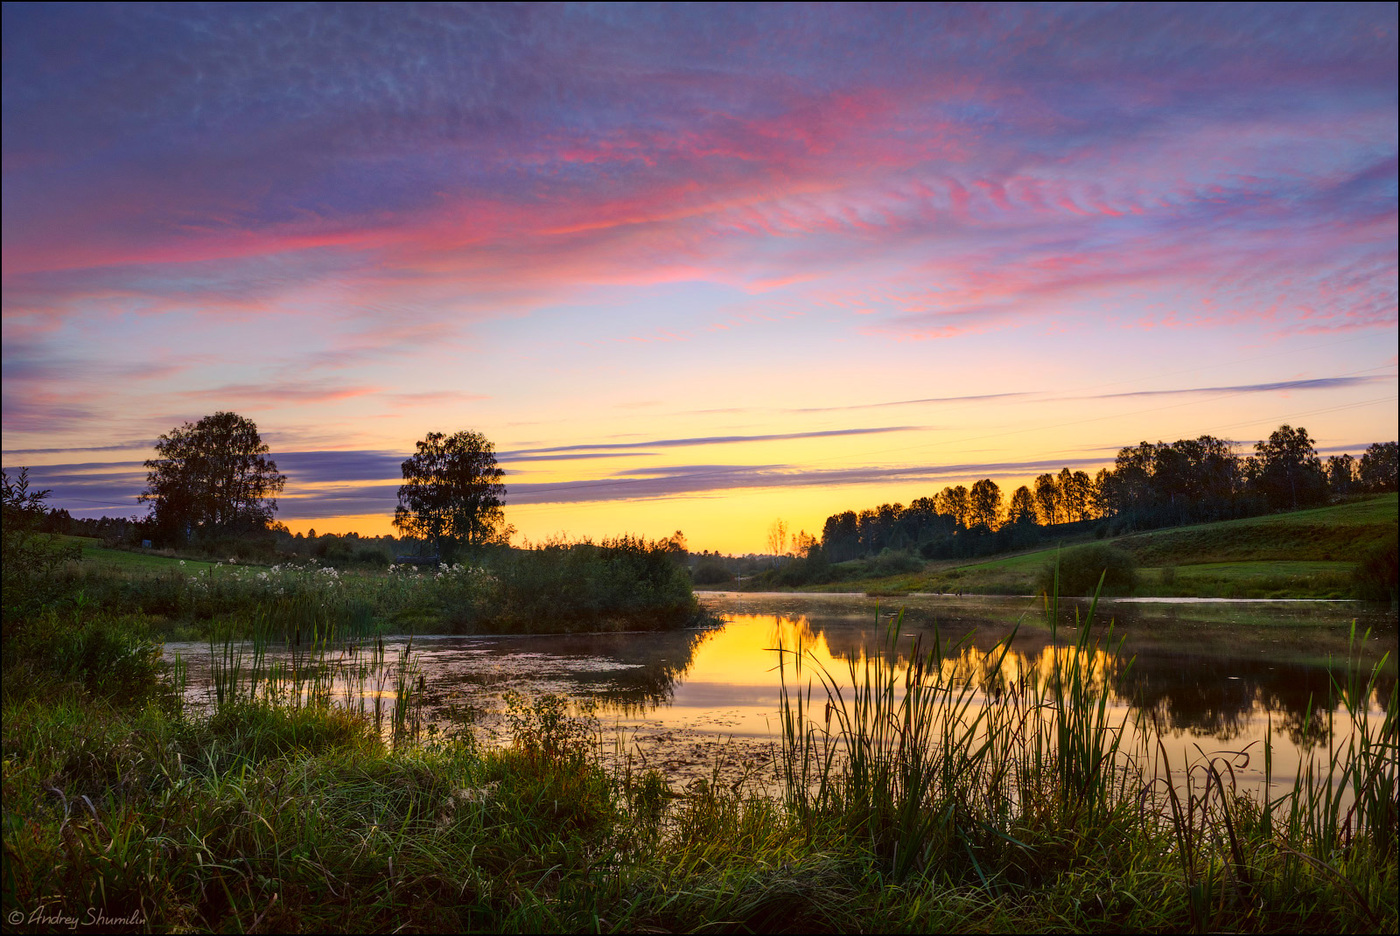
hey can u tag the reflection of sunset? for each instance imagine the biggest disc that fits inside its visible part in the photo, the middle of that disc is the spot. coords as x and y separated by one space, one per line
732 687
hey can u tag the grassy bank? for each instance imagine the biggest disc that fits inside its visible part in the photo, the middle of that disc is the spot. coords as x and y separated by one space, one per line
1303 554
622 584
907 806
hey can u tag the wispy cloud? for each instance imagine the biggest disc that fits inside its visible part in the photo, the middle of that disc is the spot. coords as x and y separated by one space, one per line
1319 383
699 479
709 440
327 484
300 392
972 398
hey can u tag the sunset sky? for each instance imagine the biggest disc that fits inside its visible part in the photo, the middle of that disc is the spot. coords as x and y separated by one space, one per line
691 267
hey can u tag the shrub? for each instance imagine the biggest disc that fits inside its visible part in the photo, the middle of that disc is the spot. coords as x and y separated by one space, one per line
894 562
1375 577
712 572
1081 568
30 558
105 656
623 582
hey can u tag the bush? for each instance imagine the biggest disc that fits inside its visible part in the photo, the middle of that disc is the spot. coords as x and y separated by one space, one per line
712 572
1081 568
30 558
101 655
626 582
1375 577
894 562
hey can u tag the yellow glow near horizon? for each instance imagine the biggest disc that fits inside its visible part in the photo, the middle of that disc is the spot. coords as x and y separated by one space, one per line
734 522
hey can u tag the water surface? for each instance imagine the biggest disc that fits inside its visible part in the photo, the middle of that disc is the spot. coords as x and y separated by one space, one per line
1212 677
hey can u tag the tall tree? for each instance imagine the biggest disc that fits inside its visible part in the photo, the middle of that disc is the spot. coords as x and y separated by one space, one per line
452 494
1341 474
1290 473
985 504
1103 492
953 501
1380 467
841 536
1048 499
212 477
1084 495
777 539
1022 509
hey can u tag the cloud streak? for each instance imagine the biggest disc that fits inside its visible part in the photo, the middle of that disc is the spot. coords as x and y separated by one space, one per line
340 483
708 440
1281 386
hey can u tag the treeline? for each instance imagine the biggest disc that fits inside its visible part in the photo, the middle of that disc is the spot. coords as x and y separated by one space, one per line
1150 485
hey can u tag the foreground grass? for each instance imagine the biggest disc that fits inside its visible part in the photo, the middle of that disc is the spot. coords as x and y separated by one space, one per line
282 823
905 810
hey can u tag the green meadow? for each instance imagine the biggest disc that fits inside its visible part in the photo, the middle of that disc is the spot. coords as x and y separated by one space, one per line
94 553
622 584
1304 554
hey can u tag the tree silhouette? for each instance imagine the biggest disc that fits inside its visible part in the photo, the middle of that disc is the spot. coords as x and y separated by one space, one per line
1022 509
777 539
211 478
984 504
1290 473
1048 500
953 501
1379 467
452 494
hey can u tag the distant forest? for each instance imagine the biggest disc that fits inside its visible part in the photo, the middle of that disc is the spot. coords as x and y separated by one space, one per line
1149 486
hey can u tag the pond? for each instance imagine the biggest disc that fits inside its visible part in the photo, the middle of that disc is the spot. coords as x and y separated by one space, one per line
1213 677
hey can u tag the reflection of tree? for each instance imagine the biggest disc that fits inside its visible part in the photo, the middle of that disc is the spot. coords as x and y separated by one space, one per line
1192 694
1216 696
854 640
1203 695
795 635
658 662
1385 688
1301 705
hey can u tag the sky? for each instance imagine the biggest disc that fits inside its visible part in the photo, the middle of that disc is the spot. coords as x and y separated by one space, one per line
691 267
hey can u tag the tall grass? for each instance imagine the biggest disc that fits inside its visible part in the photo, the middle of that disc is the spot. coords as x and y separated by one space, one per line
958 767
949 755
1352 793
1087 745
296 655
894 760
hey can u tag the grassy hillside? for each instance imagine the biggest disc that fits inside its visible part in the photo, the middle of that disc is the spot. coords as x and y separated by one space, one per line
131 561
1323 534
1303 554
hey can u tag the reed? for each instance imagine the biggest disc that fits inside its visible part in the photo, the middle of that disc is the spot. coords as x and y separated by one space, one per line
1087 744
940 761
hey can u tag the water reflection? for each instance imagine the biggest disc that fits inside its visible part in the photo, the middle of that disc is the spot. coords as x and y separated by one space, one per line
1209 676
1203 670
